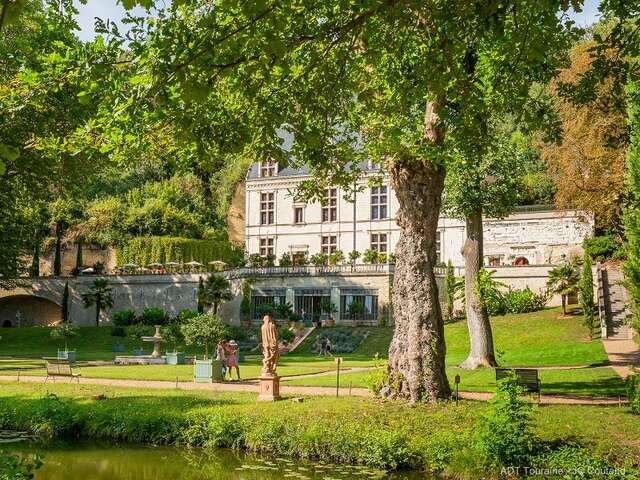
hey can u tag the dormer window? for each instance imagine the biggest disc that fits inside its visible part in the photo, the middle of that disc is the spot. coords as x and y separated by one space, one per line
268 168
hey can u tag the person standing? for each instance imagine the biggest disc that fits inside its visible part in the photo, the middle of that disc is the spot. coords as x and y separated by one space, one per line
232 358
221 355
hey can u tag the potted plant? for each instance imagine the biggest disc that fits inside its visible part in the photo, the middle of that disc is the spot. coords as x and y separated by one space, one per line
370 256
330 309
66 331
204 330
336 258
354 255
356 311
172 334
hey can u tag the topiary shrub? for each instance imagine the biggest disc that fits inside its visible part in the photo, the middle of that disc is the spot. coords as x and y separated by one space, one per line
123 318
153 316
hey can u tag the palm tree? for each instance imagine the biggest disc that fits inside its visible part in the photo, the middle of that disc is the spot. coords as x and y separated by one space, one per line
564 280
214 291
100 296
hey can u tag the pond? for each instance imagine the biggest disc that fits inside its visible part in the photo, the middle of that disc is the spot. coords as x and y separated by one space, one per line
92 461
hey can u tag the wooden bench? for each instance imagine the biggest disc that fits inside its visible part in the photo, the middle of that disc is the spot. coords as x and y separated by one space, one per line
525 377
59 367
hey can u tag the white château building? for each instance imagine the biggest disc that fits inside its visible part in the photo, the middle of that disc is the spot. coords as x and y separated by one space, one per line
522 247
277 224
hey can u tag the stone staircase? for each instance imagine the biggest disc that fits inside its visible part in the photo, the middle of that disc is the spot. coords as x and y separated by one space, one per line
615 301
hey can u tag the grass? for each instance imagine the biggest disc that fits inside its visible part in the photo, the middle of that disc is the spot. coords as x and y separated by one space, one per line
600 381
345 430
538 339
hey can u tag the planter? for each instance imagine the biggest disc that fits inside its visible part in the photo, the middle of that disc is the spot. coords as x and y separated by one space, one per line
175 358
117 347
67 355
207 371
329 322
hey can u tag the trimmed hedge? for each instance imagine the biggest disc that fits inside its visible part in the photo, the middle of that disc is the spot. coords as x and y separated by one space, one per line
146 250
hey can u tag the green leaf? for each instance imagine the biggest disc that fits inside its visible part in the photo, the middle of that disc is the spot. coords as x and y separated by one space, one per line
9 153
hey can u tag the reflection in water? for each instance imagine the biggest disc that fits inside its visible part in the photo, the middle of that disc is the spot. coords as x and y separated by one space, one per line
88 461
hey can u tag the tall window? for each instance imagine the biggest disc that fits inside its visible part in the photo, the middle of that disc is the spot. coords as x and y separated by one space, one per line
438 246
266 246
267 168
379 242
267 208
329 244
298 214
379 202
330 205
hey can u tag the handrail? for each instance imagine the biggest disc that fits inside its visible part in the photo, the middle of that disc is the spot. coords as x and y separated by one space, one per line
601 307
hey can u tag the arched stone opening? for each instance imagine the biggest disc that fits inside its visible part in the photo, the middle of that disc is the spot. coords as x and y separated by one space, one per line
28 311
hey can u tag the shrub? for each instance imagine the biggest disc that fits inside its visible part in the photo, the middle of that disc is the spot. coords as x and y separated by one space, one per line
285 260
319 259
285 335
118 332
488 289
265 309
153 316
604 247
370 256
504 436
255 260
336 257
522 301
124 318
186 314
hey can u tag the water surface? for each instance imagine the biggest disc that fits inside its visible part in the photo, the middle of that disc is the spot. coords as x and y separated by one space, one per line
91 461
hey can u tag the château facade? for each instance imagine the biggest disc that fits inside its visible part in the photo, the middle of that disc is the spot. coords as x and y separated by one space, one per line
277 224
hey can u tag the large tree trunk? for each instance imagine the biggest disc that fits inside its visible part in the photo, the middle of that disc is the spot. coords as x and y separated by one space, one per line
417 350
481 353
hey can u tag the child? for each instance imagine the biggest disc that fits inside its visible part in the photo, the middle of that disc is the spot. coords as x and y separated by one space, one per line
232 358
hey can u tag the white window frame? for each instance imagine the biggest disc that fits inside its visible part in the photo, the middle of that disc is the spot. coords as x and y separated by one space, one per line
378 240
267 208
438 246
328 244
300 208
267 246
268 168
379 201
330 206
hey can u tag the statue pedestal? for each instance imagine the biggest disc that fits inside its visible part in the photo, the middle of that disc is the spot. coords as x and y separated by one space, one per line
269 388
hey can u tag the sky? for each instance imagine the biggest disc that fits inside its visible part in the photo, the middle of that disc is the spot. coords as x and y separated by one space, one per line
112 10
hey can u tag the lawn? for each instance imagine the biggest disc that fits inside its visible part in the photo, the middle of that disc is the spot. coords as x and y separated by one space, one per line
344 430
599 381
535 339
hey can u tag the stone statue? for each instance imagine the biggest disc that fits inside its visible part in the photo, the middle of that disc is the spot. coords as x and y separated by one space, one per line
269 346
